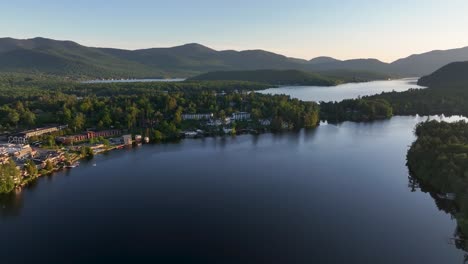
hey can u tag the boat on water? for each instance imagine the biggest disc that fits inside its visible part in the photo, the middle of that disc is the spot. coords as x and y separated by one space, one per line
74 165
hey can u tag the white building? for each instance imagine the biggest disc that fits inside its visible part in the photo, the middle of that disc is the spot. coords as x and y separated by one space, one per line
219 122
216 122
241 116
197 116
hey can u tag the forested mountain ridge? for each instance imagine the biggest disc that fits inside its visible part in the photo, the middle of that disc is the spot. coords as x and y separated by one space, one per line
292 77
67 58
453 74
427 63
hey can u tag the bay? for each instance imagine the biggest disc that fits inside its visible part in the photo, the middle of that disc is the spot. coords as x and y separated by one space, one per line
344 91
335 194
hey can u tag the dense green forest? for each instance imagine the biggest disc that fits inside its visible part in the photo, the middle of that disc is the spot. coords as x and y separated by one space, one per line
355 110
449 100
154 109
8 174
292 77
275 77
453 74
447 94
438 160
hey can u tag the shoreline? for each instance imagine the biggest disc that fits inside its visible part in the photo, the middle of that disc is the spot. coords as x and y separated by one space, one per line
77 157
60 168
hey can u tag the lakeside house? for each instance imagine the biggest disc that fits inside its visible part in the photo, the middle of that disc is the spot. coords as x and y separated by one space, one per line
197 116
219 122
190 134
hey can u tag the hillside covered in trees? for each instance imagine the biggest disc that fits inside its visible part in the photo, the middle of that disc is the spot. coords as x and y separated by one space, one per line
447 94
68 58
293 77
275 77
438 160
453 74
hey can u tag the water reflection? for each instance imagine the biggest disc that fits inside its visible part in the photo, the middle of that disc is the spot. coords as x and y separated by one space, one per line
458 239
11 204
335 194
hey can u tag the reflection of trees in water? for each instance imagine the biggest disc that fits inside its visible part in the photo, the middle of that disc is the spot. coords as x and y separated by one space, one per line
10 204
459 239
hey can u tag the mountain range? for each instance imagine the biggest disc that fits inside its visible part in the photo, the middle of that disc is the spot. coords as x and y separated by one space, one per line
72 59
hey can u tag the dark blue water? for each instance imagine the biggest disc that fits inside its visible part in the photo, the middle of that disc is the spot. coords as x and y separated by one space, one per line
337 194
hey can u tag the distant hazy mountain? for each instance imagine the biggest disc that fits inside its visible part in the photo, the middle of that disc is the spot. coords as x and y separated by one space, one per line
66 57
426 63
323 59
453 74
371 65
72 59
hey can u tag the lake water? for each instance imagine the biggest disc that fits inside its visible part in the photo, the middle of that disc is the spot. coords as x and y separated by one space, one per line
336 194
134 80
344 91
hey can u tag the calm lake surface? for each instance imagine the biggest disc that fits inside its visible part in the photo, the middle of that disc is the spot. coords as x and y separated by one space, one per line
344 91
134 80
336 194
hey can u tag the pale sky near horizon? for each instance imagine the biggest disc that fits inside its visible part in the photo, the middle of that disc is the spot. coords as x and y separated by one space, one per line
384 29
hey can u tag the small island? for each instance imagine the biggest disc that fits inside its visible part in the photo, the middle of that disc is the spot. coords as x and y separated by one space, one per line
438 161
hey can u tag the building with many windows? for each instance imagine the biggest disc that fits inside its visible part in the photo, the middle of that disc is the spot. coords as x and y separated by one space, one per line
88 135
197 116
239 116
40 131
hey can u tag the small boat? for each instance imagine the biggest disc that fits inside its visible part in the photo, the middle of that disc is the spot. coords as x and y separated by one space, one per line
94 164
447 196
74 165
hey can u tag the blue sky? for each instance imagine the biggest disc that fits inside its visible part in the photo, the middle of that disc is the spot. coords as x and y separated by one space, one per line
383 29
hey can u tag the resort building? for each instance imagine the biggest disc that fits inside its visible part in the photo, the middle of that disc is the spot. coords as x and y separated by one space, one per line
38 132
88 135
219 122
239 116
197 116
104 133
